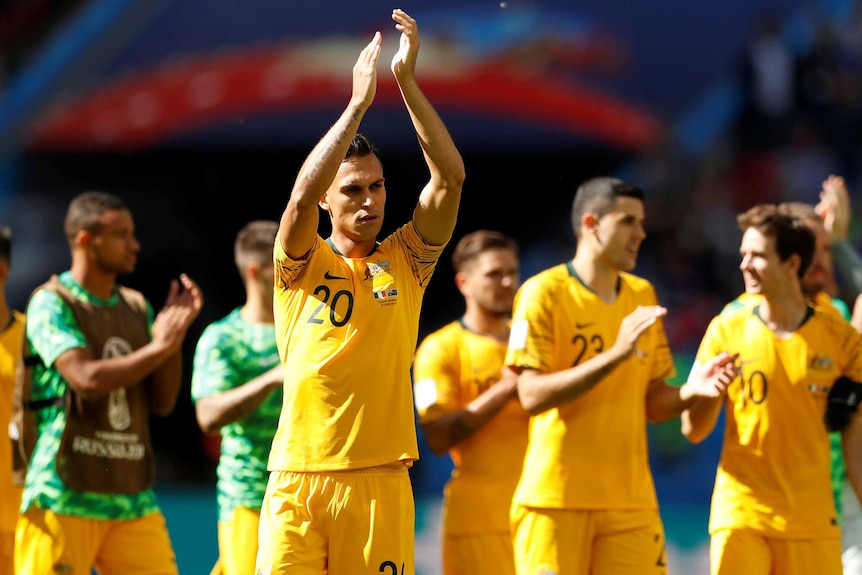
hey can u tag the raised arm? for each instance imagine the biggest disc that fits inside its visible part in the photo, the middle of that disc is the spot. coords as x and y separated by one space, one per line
437 210
834 208
299 220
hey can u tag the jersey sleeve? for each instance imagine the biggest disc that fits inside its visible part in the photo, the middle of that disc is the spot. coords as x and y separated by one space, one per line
51 326
212 370
436 373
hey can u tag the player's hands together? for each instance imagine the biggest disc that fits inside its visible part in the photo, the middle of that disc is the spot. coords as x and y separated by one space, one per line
404 61
182 306
711 379
635 324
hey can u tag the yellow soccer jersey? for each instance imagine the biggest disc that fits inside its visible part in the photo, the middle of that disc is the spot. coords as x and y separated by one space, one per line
10 353
452 367
346 330
590 453
821 299
774 474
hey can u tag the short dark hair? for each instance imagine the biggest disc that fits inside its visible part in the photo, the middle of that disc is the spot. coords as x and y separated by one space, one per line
599 196
254 243
361 146
791 233
471 245
6 244
86 209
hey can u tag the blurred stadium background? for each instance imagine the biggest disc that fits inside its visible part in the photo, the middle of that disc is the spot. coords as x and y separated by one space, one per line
199 113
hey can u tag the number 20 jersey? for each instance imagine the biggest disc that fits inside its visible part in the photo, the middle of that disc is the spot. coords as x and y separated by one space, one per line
346 330
774 473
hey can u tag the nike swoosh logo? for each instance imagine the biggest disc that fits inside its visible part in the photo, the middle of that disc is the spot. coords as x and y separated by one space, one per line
583 325
328 276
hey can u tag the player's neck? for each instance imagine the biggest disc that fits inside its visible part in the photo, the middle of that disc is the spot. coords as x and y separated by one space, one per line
352 248
257 310
602 279
99 283
783 314
486 324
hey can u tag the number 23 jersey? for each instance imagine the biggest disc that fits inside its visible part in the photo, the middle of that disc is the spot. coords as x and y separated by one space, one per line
589 453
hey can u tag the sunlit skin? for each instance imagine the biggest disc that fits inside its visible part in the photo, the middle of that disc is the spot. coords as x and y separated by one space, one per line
490 281
818 273
619 234
762 271
114 249
355 202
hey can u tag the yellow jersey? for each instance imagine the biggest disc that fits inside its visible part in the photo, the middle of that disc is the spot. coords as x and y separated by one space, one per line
592 452
346 330
10 354
452 367
774 474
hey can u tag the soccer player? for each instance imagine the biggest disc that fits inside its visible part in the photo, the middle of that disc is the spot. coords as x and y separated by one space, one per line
339 497
237 389
11 334
772 507
468 406
589 345
105 366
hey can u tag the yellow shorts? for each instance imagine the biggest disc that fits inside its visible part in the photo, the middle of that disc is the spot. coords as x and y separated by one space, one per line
574 542
340 523
733 551
46 542
237 543
478 554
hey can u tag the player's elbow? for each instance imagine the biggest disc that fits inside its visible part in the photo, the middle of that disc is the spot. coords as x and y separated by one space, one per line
692 433
436 444
163 407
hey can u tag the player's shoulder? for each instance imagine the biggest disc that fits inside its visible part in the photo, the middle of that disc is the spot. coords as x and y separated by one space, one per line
636 283
447 333
227 323
831 320
743 302
554 277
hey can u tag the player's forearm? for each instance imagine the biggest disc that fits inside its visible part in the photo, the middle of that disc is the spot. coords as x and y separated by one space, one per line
699 419
442 156
216 411
539 392
320 167
455 428
166 385
484 408
664 402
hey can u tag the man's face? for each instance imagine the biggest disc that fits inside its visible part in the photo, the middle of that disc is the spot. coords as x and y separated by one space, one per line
115 248
356 198
490 281
762 271
619 233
